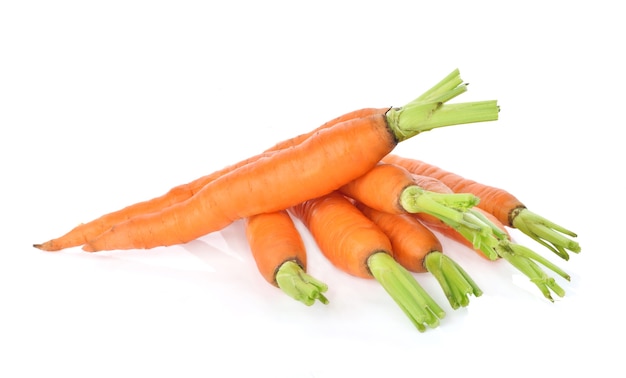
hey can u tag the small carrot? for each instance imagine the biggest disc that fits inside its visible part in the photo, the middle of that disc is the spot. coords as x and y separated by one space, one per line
317 166
357 246
502 204
522 258
280 256
391 188
84 232
418 250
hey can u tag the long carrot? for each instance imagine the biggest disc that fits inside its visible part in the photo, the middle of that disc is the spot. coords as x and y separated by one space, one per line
357 246
419 250
315 167
84 232
391 188
502 204
522 258
280 256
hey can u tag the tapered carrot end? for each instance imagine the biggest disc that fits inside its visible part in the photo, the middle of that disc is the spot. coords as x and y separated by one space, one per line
48 246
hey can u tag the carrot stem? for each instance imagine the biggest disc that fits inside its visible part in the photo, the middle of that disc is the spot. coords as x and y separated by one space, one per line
454 281
545 232
405 291
525 260
299 285
415 199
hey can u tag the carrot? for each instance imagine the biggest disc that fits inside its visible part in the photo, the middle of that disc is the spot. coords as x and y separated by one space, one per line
392 189
280 256
418 250
522 258
317 166
357 246
84 232
507 208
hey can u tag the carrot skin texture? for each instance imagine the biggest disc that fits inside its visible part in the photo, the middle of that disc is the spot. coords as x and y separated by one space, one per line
343 233
315 167
85 232
410 240
380 188
274 240
496 201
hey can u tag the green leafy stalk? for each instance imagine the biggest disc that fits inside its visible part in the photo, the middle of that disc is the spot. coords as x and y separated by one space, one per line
299 285
545 232
454 281
414 301
430 111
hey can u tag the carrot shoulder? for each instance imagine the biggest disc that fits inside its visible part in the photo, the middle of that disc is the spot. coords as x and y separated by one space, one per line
315 167
280 256
355 245
507 208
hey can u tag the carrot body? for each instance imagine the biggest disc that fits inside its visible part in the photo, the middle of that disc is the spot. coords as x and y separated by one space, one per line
502 204
380 188
343 233
410 240
313 168
85 232
273 240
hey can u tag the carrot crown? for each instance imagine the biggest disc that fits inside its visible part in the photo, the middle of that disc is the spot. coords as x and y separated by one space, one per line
430 111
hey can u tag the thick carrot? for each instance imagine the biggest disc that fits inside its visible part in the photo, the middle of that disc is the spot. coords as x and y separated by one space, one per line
357 246
280 256
317 166
392 189
522 258
502 204
84 232
418 249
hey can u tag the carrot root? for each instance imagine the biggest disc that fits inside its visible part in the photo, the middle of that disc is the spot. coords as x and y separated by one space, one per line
456 284
545 232
405 291
299 285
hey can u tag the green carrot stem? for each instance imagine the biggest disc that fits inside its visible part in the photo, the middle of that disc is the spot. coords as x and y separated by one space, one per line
545 232
525 260
414 301
299 285
429 111
456 284
415 199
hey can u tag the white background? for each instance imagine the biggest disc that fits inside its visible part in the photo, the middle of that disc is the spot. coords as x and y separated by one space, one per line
103 104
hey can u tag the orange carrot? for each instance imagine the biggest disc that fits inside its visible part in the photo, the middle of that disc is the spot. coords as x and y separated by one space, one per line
508 209
410 240
317 166
417 249
84 232
357 246
522 258
391 188
280 256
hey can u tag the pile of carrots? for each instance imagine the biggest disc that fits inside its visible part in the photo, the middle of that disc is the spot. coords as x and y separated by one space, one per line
371 212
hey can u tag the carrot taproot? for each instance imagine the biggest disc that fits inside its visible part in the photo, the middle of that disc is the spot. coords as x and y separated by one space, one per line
392 189
522 258
357 246
419 250
84 232
507 208
320 164
280 256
